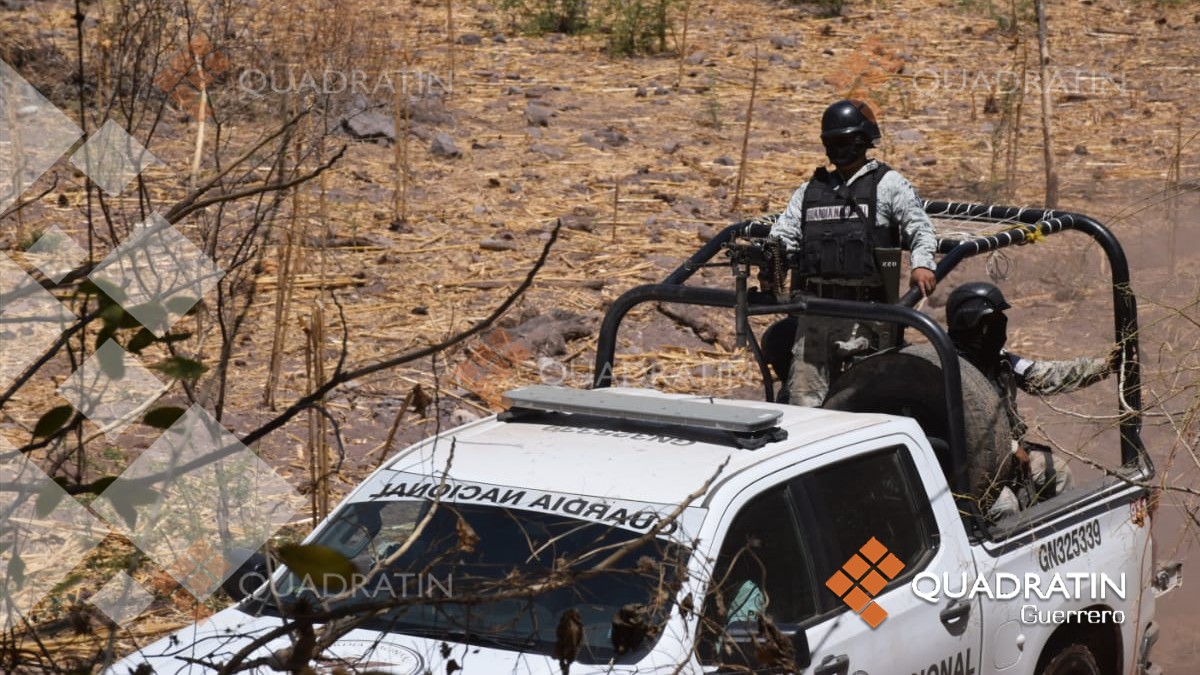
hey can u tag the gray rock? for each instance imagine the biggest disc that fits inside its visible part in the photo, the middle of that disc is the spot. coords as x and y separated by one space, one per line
696 59
783 41
908 135
498 245
549 333
578 222
670 147
430 111
605 138
548 150
539 91
724 160
469 39
423 132
370 125
538 114
443 146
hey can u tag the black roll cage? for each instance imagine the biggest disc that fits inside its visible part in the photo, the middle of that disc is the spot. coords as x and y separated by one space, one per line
1031 224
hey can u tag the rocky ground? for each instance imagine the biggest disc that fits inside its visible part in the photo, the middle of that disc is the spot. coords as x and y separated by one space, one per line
639 159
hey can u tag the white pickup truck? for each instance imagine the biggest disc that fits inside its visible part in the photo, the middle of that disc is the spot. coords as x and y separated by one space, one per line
621 530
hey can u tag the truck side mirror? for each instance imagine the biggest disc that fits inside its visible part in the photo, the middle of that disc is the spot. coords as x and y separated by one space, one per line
801 649
250 575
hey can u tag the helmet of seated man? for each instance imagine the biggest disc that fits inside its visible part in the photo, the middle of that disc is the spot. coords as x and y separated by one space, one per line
972 303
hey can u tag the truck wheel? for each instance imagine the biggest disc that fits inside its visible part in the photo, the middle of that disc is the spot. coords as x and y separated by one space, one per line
908 382
1072 660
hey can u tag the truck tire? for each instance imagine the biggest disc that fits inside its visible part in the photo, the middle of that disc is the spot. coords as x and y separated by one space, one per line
908 382
1073 660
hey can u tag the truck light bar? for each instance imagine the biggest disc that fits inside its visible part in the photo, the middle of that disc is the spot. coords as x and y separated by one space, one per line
753 427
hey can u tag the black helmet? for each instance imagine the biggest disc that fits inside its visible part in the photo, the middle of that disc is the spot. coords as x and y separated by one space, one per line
849 117
970 303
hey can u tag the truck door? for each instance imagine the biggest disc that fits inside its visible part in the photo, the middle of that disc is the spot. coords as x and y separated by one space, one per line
827 558
879 517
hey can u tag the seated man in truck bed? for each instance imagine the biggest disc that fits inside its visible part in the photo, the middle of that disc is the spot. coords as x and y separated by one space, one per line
979 329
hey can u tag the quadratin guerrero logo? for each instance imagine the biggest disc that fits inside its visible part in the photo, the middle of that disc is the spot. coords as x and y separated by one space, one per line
1072 587
862 578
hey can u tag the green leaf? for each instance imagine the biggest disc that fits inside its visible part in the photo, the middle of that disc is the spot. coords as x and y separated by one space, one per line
112 362
16 569
110 315
153 313
48 499
52 421
128 320
115 316
318 566
132 493
182 304
127 498
126 511
101 484
108 291
162 418
180 368
142 339
107 333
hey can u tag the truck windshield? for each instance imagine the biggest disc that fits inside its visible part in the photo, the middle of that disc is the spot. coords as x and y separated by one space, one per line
475 573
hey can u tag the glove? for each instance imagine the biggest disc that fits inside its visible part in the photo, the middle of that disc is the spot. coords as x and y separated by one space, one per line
1113 361
855 345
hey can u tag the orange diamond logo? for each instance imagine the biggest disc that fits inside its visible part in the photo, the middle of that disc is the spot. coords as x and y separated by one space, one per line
873 566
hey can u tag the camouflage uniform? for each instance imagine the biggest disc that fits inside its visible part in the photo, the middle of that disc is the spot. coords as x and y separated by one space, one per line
1048 475
819 339
1043 378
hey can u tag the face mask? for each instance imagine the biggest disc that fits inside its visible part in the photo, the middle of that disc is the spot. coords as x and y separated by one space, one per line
995 333
845 151
981 345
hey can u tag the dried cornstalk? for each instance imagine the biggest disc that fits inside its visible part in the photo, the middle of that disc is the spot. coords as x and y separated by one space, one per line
1014 131
741 177
201 113
450 39
1047 144
1174 173
285 277
616 203
400 200
318 444
687 6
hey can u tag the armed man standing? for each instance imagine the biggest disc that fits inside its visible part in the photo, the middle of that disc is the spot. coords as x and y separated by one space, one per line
846 228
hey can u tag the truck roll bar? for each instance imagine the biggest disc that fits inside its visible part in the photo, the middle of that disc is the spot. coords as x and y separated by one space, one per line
1031 225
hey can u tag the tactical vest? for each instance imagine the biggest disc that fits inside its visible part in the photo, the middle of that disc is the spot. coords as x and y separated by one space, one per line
837 225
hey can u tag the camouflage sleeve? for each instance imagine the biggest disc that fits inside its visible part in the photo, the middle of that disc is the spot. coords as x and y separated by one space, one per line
787 226
899 202
1042 378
